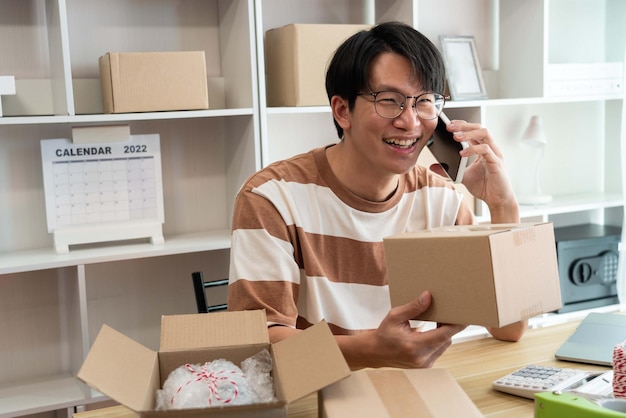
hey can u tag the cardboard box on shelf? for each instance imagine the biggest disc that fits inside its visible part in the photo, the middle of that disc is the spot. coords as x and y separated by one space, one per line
395 393
153 81
130 373
296 58
490 275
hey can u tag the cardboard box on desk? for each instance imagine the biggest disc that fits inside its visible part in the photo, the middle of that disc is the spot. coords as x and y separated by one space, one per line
130 373
296 57
490 275
153 81
395 393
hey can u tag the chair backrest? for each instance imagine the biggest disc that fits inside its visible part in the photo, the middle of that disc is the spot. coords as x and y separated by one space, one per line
199 288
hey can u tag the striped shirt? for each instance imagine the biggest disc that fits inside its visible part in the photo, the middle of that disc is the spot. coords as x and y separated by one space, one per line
306 249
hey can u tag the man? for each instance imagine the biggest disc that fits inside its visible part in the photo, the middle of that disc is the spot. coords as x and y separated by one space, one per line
307 242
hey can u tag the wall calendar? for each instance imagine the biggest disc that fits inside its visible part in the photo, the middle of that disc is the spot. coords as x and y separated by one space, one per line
108 191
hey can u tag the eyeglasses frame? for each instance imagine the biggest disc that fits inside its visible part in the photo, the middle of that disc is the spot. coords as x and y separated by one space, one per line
375 94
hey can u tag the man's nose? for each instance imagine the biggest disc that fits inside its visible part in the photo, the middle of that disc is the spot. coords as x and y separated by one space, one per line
409 117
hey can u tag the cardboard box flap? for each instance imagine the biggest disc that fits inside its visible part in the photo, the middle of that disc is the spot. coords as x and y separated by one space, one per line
307 362
454 231
219 329
122 369
396 393
439 387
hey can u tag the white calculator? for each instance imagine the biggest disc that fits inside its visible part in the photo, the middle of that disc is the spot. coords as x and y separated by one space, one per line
533 379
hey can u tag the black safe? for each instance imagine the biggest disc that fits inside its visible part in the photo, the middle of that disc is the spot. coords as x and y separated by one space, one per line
588 257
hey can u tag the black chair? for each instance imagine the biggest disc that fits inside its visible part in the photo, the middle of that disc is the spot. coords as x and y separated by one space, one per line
199 288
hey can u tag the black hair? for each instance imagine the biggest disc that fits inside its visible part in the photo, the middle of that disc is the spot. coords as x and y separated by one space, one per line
348 73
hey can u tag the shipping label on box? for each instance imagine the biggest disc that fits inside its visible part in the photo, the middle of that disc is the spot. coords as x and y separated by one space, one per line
490 275
296 58
153 81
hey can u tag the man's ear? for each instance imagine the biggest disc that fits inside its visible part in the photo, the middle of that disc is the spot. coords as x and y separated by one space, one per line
341 111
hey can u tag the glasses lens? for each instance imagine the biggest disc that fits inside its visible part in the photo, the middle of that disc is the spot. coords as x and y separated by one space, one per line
389 104
429 105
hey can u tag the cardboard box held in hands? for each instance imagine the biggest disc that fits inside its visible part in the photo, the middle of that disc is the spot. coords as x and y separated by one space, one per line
131 374
490 275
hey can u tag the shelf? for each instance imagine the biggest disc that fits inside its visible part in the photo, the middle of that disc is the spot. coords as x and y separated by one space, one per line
300 109
48 394
550 319
474 332
458 104
123 117
47 258
462 104
573 203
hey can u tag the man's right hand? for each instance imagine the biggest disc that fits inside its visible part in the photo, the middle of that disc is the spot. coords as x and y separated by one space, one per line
395 343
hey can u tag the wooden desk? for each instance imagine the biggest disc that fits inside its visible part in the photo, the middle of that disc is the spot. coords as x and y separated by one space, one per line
475 364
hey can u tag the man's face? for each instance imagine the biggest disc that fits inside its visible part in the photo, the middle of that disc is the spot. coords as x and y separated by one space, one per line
389 146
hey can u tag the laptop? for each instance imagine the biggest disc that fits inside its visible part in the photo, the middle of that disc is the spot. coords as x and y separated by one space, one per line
594 339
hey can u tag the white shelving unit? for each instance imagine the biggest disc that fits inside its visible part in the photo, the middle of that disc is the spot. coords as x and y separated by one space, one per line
516 42
52 306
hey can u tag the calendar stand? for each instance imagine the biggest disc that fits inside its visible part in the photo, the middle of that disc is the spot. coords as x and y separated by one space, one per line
99 191
72 235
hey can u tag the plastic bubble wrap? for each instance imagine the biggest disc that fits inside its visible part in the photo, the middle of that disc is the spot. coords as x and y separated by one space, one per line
217 383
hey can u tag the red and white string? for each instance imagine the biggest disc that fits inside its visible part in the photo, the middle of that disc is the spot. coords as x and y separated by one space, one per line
619 371
214 380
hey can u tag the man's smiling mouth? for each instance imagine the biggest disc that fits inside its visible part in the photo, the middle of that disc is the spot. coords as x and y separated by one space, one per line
402 143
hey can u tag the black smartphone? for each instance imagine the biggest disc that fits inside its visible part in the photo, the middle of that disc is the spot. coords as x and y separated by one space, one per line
446 150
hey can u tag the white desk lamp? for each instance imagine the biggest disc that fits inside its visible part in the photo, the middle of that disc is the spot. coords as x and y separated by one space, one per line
535 137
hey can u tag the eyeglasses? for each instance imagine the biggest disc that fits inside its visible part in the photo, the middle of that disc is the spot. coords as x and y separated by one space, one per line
390 104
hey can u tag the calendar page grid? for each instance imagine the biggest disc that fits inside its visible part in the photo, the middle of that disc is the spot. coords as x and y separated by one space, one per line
104 190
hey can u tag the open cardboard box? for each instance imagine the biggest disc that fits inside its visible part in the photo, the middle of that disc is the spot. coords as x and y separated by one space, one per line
490 275
130 373
396 393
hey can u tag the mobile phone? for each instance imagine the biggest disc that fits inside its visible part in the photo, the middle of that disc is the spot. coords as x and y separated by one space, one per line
446 150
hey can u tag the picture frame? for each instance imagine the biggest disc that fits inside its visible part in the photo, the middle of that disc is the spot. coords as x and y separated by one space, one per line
463 71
